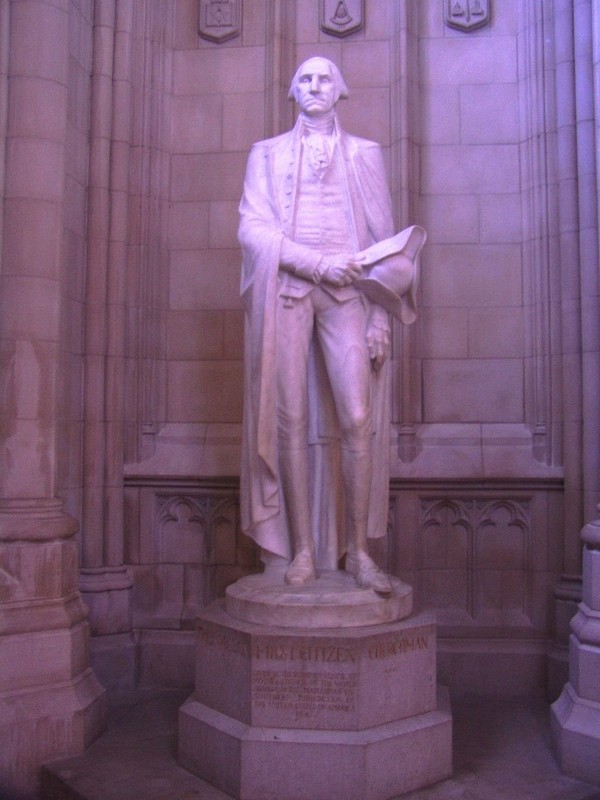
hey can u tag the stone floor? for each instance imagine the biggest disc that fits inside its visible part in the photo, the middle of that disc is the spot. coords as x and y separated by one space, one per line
501 752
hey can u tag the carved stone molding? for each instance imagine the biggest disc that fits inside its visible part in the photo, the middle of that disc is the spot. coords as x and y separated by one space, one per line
219 20
466 15
342 17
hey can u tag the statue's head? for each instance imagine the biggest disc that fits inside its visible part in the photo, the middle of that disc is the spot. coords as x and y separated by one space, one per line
317 86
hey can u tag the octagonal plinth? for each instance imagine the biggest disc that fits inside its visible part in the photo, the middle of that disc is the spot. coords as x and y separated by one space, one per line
315 715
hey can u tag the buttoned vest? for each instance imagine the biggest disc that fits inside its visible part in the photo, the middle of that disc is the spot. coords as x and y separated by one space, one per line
322 220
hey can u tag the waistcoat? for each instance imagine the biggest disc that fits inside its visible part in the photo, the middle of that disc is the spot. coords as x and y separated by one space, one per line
322 220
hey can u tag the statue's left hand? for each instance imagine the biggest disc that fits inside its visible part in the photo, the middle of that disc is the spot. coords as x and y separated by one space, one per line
378 344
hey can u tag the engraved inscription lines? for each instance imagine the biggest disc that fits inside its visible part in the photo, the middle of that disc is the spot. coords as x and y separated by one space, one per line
306 679
304 693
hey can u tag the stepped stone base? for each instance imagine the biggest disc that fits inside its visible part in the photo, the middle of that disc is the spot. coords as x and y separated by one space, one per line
326 714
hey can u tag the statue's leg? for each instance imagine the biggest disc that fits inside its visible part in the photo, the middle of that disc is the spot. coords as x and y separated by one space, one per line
293 465
294 330
341 328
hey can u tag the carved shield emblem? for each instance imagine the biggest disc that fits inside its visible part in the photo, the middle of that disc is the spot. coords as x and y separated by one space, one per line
342 17
466 15
219 19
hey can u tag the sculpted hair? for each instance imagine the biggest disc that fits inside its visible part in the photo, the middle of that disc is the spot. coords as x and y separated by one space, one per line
340 83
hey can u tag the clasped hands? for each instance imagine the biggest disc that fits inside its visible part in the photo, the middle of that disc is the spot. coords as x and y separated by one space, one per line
340 270
343 271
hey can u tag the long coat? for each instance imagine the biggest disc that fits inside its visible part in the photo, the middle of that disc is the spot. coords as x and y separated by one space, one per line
266 214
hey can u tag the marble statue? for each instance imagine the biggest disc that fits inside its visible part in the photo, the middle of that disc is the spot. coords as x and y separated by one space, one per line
322 271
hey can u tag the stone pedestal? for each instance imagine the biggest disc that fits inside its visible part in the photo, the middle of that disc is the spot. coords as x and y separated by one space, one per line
315 714
576 714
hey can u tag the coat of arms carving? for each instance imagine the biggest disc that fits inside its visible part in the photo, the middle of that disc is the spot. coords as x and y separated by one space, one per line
466 15
342 17
219 19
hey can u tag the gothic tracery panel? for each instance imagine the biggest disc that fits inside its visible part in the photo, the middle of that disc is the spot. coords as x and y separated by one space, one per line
192 549
475 560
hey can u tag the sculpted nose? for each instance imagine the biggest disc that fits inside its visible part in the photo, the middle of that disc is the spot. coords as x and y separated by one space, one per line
314 84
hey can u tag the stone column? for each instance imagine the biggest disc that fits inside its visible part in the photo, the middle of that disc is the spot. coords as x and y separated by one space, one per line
576 714
574 59
105 582
404 154
51 704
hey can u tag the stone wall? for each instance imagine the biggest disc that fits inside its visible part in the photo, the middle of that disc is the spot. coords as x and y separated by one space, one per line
125 136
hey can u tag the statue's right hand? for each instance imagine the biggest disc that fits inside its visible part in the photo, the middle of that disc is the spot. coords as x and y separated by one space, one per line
341 270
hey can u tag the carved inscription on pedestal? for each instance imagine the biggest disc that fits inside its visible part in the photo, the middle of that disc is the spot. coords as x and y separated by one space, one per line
292 683
305 683
304 693
274 678
318 653
399 646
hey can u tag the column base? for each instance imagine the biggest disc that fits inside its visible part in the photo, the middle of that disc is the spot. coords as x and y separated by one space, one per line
567 596
576 735
46 723
113 650
51 703
114 660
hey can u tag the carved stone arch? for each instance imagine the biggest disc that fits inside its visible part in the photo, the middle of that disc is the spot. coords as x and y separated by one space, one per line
205 528
222 529
502 561
181 532
446 534
517 511
171 509
489 517
434 510
446 556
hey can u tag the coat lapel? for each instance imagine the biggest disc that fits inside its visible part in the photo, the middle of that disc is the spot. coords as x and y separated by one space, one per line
284 166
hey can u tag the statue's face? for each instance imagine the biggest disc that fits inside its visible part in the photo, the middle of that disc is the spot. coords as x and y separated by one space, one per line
316 91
